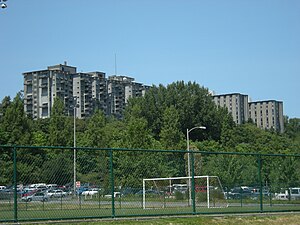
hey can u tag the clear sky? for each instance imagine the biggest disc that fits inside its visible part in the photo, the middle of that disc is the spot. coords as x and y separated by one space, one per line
246 46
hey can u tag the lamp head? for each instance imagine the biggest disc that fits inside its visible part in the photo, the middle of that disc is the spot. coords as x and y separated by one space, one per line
3 5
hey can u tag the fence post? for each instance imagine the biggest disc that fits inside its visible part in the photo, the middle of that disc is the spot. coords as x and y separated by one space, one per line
112 182
15 185
193 183
260 182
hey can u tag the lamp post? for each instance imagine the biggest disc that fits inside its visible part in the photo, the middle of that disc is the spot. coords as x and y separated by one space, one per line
3 4
74 150
189 163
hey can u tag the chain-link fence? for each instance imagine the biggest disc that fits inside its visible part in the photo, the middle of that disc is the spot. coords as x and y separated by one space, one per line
55 183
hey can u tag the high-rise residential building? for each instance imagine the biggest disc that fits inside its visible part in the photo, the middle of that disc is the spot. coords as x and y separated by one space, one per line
99 91
267 114
237 105
120 89
90 93
82 93
43 86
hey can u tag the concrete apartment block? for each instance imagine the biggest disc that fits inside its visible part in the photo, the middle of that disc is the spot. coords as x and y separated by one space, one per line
82 93
237 105
267 114
41 87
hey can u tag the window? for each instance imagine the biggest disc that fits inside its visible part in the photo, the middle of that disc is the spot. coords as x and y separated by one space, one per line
44 92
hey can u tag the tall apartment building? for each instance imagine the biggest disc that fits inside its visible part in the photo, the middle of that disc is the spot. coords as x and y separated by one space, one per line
91 91
82 93
237 105
267 114
43 86
120 89
99 91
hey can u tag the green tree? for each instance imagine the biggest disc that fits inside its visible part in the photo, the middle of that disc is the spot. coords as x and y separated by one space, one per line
93 164
15 127
170 136
292 129
60 127
94 135
4 105
193 104
57 170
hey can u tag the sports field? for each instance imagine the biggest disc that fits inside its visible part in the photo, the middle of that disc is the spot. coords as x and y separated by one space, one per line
291 219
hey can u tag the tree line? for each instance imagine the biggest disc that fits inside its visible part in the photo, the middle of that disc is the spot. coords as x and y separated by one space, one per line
158 120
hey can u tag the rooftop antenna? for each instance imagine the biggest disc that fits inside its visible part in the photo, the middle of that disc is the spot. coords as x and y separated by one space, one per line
115 64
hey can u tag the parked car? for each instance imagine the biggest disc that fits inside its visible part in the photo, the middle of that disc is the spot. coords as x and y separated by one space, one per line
129 191
239 192
116 195
56 193
2 188
149 192
80 190
91 191
182 188
39 196
51 186
255 192
28 192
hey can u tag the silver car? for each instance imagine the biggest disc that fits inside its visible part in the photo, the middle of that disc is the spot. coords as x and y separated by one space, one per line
39 196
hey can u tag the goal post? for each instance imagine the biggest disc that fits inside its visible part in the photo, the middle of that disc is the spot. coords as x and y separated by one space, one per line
176 192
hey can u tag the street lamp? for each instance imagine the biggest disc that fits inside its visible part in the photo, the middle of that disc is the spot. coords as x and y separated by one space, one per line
74 150
3 4
189 163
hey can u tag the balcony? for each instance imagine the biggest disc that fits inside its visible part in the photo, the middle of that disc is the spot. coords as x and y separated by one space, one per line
44 85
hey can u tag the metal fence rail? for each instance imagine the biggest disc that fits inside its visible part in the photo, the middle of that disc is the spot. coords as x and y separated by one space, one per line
46 183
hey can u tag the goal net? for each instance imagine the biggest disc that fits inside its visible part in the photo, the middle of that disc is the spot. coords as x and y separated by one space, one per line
179 192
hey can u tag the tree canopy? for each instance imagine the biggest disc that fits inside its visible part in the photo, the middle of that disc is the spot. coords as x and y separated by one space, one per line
158 120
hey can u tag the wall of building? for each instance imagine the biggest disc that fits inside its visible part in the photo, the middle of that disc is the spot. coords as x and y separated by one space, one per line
237 105
265 114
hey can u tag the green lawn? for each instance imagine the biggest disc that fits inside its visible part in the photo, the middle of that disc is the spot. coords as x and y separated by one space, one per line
69 210
193 220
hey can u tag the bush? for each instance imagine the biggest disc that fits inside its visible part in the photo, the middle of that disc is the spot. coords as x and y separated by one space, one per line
179 195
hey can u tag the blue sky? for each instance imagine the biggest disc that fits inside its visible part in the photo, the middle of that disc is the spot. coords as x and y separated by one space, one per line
246 46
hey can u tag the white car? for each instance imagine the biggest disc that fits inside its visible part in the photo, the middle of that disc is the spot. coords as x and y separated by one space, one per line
116 195
91 191
56 193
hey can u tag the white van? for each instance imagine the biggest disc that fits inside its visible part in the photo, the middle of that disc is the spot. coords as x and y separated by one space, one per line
295 193
284 194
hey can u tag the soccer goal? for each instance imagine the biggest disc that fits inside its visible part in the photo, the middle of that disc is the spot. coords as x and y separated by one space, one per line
179 192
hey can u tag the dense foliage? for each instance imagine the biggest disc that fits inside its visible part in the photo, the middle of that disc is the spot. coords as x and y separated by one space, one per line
159 120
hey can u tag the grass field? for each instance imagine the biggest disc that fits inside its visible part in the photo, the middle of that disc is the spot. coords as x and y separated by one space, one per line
290 219
67 211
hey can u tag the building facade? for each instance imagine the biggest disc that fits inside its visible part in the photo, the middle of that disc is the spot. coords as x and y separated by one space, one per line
237 105
120 90
82 93
267 114
43 86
